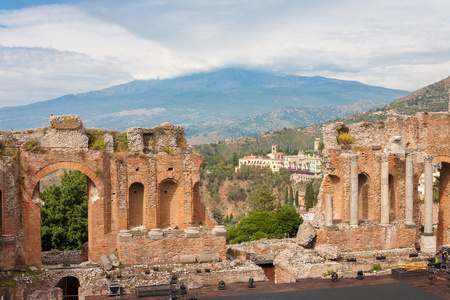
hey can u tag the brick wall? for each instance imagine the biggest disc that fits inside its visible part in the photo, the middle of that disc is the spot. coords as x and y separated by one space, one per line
143 250
157 163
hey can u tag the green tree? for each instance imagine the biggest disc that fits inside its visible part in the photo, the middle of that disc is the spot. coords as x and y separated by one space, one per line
286 196
309 195
64 213
291 196
296 199
281 223
288 220
262 199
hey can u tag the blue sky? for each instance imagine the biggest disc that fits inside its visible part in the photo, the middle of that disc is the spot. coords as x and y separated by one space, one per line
53 48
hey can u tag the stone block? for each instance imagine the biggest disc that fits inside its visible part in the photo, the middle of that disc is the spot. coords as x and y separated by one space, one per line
220 230
208 257
192 232
156 234
125 236
306 234
428 244
184 259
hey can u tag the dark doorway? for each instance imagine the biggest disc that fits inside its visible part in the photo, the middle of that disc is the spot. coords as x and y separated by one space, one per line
69 285
268 268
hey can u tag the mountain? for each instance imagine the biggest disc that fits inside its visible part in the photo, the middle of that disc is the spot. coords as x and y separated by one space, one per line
195 100
432 98
286 117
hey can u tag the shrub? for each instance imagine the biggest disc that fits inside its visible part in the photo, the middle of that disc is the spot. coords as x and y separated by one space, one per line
33 145
123 143
344 138
167 150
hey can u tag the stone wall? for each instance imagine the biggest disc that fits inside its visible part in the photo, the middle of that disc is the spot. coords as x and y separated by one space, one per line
368 236
165 248
115 163
416 137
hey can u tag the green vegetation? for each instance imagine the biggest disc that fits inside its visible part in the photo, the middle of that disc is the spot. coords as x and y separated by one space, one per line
167 150
262 199
281 223
311 193
289 141
64 214
123 143
96 139
344 138
376 268
328 272
33 145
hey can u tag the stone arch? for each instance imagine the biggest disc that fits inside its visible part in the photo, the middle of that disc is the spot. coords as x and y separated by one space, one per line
69 286
168 203
97 211
332 186
364 203
392 198
136 205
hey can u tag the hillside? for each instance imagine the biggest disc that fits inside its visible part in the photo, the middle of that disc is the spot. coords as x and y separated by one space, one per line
197 99
432 98
294 138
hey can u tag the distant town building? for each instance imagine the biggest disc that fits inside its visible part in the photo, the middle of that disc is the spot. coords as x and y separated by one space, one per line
276 160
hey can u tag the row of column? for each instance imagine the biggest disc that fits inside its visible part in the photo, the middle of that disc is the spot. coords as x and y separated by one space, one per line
409 203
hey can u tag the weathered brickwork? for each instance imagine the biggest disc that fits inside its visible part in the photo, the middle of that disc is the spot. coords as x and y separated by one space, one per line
152 184
141 249
415 137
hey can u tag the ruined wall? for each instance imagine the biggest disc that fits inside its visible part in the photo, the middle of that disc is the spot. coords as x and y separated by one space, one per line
144 249
415 136
126 175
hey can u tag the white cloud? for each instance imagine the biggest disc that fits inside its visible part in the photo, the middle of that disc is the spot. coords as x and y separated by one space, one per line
53 50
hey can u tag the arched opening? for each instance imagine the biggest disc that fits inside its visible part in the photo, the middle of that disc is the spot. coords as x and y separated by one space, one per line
1 213
168 204
69 286
63 195
363 196
441 187
136 206
392 198
199 209
332 186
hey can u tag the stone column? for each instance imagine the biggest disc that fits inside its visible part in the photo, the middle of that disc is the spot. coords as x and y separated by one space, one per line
428 208
428 241
329 213
409 203
354 190
384 189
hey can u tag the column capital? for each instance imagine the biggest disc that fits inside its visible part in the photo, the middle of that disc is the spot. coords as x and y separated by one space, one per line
428 158
385 157
354 157
409 157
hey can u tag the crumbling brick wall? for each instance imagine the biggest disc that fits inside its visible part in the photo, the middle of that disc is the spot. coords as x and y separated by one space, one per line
116 164
422 134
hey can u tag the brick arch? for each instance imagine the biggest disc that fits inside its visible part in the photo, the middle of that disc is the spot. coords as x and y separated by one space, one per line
136 192
98 224
365 202
168 203
333 185
33 181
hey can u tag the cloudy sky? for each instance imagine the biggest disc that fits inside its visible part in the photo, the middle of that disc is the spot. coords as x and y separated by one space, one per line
50 48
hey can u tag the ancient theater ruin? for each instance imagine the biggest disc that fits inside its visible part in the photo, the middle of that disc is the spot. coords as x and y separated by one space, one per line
370 198
142 178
